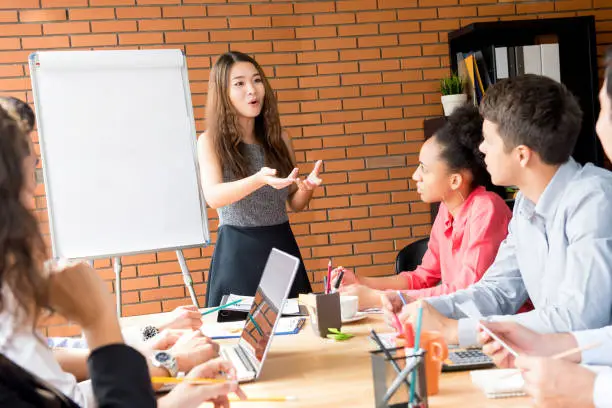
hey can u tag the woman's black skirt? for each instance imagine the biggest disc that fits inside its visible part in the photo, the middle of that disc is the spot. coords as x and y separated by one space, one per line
240 256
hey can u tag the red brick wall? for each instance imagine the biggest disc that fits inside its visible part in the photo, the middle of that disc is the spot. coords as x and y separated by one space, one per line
354 79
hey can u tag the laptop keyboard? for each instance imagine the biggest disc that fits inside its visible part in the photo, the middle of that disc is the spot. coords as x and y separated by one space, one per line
244 368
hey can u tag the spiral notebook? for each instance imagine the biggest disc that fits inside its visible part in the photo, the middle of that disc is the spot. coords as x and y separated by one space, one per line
233 330
499 383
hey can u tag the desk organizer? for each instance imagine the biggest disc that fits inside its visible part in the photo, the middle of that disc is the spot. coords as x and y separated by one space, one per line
392 378
324 311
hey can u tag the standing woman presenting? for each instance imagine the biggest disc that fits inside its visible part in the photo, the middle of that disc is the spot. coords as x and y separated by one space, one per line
248 174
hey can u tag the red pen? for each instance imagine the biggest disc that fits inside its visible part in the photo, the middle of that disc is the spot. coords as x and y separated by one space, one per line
397 324
329 273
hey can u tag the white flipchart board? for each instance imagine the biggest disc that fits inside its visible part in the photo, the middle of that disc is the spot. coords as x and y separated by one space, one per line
118 146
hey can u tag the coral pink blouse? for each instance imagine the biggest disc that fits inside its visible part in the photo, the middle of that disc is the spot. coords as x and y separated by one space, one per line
460 248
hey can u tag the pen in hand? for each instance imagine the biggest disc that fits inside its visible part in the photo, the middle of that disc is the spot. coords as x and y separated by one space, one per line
401 296
215 309
338 280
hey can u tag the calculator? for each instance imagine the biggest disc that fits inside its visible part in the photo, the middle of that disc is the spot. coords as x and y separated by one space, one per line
466 359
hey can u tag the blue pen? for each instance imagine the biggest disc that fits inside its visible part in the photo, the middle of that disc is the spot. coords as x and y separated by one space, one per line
417 342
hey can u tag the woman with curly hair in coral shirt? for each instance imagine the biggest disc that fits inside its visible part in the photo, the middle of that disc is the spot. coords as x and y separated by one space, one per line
470 225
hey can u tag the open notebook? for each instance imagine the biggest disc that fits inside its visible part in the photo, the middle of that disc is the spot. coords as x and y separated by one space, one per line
241 310
291 305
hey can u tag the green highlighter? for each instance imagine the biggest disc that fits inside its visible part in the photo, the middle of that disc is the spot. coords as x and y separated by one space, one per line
337 335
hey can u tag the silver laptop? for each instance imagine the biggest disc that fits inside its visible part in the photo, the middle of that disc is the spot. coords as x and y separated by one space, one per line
249 354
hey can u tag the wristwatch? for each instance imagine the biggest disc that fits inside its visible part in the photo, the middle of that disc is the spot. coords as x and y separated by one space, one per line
165 360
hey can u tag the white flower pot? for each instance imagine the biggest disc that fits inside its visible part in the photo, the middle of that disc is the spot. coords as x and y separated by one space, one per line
451 102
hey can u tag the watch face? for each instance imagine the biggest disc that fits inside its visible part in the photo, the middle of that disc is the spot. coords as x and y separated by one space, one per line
162 356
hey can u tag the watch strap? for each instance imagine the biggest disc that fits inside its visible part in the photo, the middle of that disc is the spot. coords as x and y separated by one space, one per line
149 332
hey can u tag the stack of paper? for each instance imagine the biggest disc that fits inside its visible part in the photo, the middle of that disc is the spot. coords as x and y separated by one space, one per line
499 383
291 305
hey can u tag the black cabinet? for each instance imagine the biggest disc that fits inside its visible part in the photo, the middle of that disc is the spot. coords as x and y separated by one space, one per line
577 62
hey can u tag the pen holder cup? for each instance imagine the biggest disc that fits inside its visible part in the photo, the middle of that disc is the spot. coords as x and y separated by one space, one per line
391 389
324 311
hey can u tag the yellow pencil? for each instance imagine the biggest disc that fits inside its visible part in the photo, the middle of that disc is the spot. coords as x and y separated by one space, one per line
173 380
264 399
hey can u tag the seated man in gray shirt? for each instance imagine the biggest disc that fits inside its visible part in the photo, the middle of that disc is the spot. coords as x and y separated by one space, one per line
558 251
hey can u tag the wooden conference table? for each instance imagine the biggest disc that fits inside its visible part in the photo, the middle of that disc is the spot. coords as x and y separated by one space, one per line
324 373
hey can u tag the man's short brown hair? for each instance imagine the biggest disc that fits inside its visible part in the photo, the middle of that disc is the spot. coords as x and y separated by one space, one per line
537 112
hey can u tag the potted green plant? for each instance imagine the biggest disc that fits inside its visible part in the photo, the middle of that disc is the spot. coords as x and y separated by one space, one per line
453 96
511 192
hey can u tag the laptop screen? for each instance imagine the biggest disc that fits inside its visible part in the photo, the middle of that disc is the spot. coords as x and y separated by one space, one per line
269 300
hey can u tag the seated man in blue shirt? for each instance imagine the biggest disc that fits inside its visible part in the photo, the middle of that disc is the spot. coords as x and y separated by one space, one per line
558 251
563 383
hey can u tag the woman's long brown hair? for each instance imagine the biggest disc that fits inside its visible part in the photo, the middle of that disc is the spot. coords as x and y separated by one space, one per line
609 71
224 127
21 245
